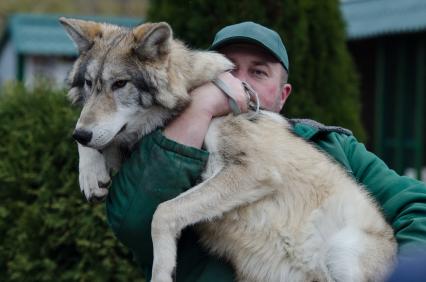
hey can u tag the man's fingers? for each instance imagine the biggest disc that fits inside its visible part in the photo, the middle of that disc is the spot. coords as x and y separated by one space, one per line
235 87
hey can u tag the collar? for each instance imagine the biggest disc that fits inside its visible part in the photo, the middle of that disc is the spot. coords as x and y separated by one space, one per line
308 129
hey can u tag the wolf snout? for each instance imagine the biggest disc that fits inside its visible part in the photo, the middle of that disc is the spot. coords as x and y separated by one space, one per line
82 136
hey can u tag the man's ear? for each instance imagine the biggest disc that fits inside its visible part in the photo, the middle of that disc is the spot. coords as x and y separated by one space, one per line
152 40
285 92
81 32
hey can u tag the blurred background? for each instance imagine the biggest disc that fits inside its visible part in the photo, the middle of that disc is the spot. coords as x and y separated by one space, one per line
359 64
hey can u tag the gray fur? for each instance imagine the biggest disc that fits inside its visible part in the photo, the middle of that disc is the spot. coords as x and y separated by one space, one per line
77 35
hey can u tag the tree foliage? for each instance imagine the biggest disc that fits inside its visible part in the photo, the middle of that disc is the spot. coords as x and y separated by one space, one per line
325 85
129 8
47 230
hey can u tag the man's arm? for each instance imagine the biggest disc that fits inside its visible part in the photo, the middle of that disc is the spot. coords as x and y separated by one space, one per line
160 169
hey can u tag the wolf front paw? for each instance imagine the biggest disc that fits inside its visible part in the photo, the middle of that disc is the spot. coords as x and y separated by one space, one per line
161 277
94 184
94 177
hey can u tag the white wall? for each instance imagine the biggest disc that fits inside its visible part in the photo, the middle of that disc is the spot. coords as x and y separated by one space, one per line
36 68
45 68
412 172
8 63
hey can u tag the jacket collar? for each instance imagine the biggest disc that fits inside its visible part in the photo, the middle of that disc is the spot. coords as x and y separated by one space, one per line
308 129
305 131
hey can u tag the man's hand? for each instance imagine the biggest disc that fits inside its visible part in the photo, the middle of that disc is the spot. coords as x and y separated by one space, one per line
208 102
210 99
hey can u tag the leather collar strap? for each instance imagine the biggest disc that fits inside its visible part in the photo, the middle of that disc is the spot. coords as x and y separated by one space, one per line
225 89
251 95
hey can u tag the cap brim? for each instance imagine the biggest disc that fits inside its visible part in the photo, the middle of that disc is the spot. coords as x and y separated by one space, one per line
244 39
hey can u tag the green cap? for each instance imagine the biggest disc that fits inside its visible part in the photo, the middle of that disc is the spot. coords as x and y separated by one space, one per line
251 32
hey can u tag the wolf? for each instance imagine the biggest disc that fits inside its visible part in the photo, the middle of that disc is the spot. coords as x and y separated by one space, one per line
275 206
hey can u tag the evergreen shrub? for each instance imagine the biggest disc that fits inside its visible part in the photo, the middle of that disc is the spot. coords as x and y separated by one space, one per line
48 232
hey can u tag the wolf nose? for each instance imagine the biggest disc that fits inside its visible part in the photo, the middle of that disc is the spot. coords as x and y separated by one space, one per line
82 136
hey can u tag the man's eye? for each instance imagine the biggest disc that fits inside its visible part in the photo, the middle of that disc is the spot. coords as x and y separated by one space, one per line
88 83
259 72
119 84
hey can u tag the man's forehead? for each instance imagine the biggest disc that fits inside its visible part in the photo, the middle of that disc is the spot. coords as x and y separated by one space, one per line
248 49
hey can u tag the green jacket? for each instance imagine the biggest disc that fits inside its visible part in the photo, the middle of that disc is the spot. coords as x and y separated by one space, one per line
162 169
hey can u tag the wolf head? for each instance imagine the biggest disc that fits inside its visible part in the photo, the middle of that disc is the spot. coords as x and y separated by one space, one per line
131 81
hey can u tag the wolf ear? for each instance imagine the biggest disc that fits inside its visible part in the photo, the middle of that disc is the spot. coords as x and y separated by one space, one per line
81 32
152 40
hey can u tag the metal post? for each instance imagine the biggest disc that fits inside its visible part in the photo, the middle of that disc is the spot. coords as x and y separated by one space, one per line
399 107
379 97
420 106
20 68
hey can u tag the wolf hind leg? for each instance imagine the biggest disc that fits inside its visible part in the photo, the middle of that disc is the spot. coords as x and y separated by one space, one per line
223 192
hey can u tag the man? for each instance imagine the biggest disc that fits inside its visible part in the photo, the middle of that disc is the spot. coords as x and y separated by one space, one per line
170 161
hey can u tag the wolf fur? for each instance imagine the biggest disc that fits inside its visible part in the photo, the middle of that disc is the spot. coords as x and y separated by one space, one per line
273 205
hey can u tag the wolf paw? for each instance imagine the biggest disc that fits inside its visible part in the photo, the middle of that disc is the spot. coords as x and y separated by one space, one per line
94 183
161 277
93 175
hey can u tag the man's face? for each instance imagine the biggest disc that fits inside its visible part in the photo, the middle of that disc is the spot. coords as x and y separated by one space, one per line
262 71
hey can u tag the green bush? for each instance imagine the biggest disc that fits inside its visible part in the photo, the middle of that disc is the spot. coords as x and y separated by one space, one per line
47 230
325 86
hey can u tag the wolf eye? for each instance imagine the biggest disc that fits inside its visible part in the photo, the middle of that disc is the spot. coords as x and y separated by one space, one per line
119 84
88 83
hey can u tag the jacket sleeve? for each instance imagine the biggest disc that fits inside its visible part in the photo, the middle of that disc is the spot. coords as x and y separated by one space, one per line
159 170
402 199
